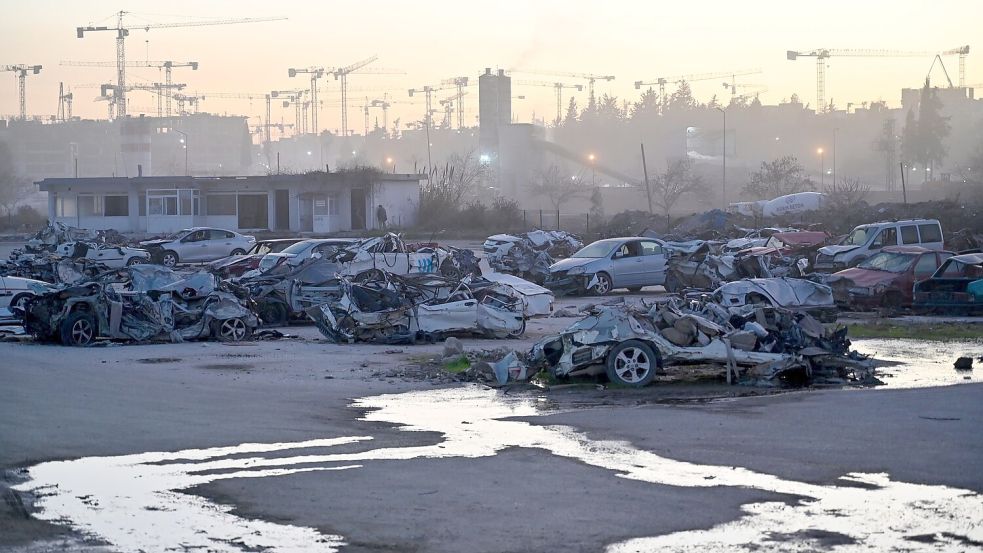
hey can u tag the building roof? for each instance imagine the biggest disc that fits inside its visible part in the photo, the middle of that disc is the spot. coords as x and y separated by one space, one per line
143 183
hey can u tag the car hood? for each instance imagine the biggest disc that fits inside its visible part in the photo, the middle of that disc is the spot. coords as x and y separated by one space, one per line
232 260
833 250
866 277
502 238
571 262
151 243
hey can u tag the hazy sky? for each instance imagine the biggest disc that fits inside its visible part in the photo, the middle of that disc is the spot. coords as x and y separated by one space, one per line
433 40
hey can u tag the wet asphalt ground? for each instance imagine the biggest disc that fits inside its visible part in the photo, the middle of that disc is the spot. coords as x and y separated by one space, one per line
426 490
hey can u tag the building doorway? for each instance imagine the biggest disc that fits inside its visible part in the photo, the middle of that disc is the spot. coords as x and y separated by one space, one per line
282 205
359 209
254 211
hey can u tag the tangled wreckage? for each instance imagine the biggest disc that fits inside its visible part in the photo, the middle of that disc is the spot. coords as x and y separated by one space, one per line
530 254
403 309
140 303
632 343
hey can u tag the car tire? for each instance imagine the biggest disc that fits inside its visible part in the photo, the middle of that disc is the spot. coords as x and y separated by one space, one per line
520 332
892 300
238 251
603 286
274 313
169 259
632 363
80 329
19 300
231 330
672 284
134 261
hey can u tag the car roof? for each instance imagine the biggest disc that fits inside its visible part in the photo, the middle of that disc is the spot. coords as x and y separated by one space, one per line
968 258
275 240
905 249
626 238
901 221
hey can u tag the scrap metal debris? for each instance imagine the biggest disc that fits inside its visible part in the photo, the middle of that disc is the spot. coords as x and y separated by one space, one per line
143 302
530 254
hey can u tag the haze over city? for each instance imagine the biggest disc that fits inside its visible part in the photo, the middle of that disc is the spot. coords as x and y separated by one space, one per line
432 41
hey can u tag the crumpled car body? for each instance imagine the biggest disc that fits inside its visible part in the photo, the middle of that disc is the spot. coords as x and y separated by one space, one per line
530 254
140 303
111 256
772 342
886 279
790 293
391 308
956 287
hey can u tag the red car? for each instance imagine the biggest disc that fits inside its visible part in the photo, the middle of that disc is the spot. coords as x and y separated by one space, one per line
236 265
887 278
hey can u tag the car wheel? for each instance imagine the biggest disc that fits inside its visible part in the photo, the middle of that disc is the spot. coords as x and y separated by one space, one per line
80 329
274 313
134 261
169 259
238 251
672 284
634 289
632 363
518 333
20 301
231 330
892 300
603 285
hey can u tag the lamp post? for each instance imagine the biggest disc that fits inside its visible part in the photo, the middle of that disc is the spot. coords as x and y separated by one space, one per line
184 141
834 156
593 170
723 186
822 167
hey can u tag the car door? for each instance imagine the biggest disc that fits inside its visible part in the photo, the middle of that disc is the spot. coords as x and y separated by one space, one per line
627 265
221 243
194 246
112 257
653 263
5 294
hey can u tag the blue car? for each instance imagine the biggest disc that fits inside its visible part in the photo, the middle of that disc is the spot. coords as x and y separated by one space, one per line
631 262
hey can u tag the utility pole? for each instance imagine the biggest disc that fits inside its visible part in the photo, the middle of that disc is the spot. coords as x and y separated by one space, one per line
834 157
645 171
723 186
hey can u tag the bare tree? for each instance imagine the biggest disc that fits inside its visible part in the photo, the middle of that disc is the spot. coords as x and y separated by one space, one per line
846 193
677 181
777 178
14 189
444 192
559 188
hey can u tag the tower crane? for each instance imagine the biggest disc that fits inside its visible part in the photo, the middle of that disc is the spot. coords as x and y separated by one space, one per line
168 67
559 93
294 98
122 31
22 72
661 82
748 88
822 54
448 104
244 96
315 73
589 77
460 83
64 103
428 93
341 74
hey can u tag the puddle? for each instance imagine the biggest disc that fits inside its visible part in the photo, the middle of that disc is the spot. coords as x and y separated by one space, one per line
135 502
157 360
921 363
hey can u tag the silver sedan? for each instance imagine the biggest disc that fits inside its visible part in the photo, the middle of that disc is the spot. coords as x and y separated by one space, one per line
630 262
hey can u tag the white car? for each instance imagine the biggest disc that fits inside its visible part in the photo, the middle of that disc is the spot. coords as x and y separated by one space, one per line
112 256
198 245
295 254
14 291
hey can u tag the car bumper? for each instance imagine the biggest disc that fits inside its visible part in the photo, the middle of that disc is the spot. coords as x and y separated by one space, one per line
569 284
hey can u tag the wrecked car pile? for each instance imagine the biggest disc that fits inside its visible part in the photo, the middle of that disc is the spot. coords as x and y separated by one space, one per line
141 303
388 308
631 343
530 254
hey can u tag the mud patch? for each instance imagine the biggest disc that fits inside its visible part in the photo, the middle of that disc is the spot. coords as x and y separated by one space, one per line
158 360
227 366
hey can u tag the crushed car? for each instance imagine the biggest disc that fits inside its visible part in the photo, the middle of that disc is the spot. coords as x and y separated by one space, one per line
632 343
794 294
530 254
955 288
885 279
112 256
404 309
630 262
237 265
140 303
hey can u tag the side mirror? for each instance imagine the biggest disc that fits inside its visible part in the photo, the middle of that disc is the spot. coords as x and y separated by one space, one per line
617 255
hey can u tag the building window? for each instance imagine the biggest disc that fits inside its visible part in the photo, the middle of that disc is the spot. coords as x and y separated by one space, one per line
65 207
89 206
116 206
173 202
220 204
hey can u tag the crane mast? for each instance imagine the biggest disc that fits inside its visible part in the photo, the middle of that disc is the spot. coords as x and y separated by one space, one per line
22 72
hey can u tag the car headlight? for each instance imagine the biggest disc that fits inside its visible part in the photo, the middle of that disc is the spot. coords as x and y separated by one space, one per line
576 271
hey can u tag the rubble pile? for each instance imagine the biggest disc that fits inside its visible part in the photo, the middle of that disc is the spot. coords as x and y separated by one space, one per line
530 254
631 343
140 303
61 254
388 308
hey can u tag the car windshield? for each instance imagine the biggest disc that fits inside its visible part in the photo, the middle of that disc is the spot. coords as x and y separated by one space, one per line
596 250
892 262
178 234
297 248
858 237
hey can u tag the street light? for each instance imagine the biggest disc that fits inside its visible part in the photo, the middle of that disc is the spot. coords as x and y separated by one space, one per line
593 171
184 140
723 186
822 167
834 156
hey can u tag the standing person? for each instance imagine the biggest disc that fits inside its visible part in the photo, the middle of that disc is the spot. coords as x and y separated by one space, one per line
381 217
